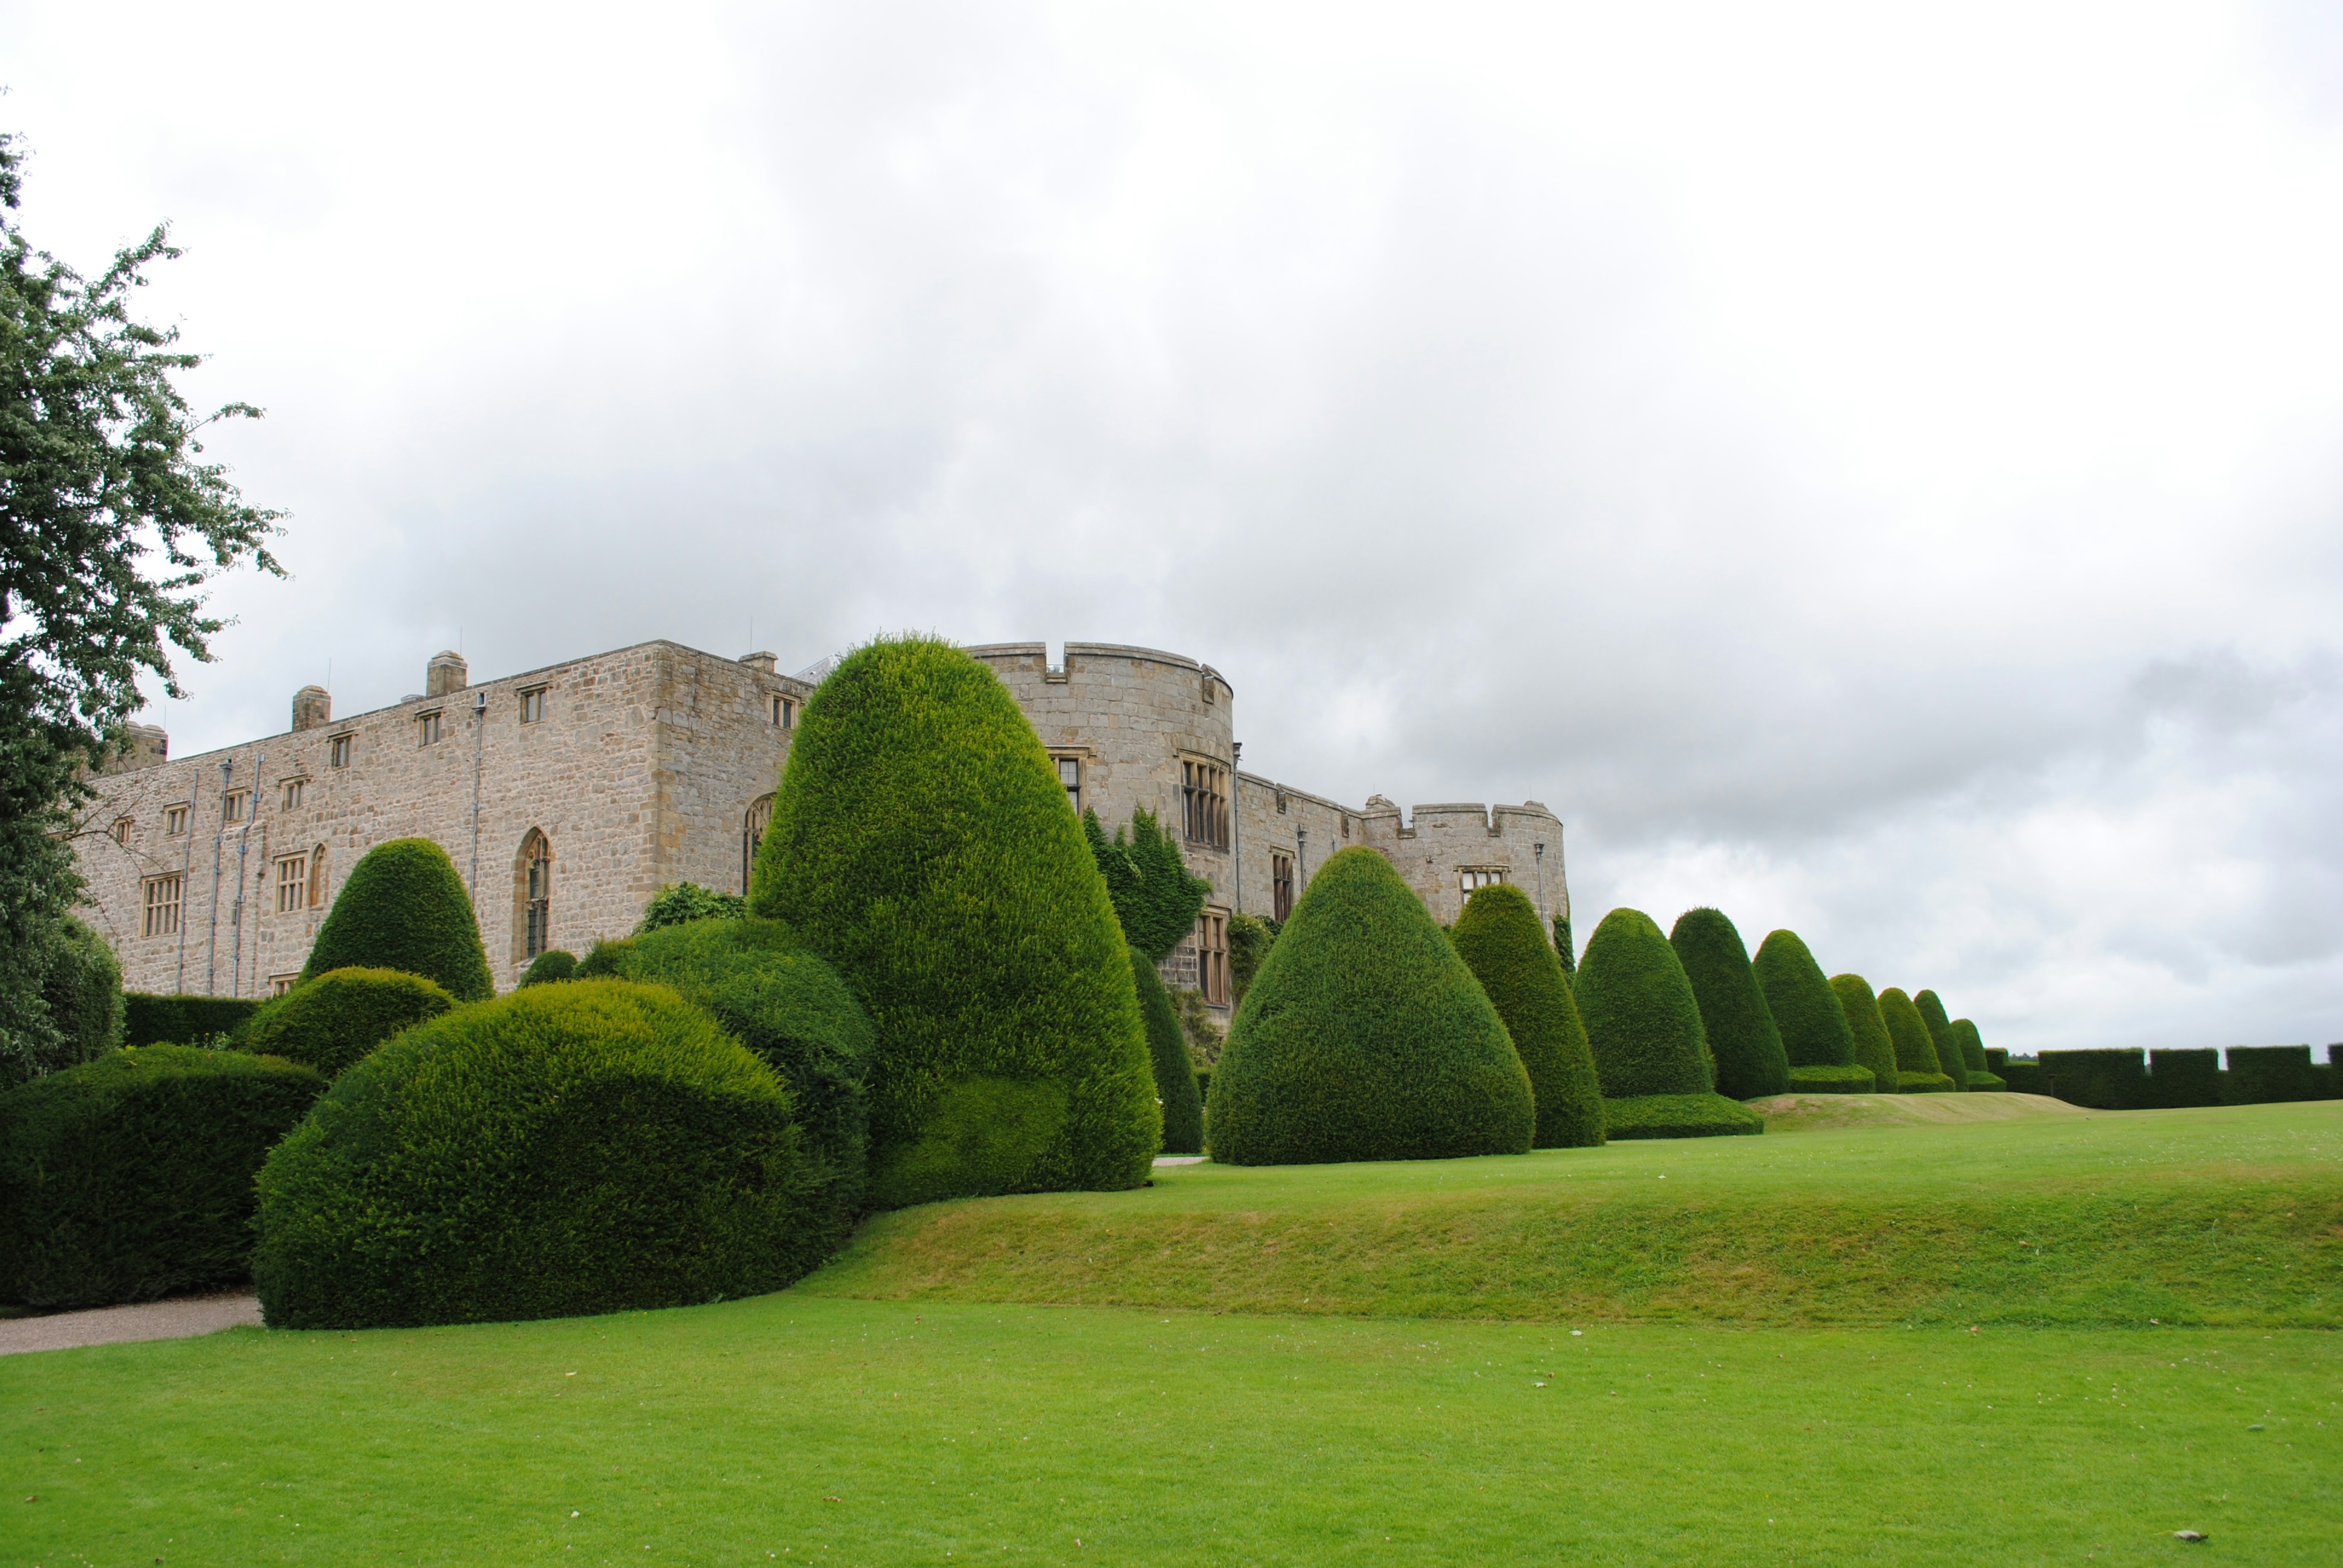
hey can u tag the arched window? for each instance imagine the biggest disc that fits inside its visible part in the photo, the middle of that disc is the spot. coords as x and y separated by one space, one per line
752 833
533 896
318 878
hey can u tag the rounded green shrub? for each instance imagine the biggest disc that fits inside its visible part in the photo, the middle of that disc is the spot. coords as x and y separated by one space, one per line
1917 1071
1364 1037
1500 941
1873 1047
335 1021
551 966
1931 1009
1815 1031
1175 1073
82 988
1642 1022
1980 1067
921 843
775 995
130 1177
566 1149
1743 1042
405 908
1682 1116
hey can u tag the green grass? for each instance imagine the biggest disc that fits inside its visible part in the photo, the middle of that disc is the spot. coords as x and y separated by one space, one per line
793 1429
2222 1216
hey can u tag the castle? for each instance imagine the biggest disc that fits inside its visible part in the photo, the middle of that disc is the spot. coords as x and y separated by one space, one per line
569 796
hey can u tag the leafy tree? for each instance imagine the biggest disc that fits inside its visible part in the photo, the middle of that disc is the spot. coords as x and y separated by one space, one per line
1156 897
1249 938
110 525
680 901
1498 938
1743 1038
81 990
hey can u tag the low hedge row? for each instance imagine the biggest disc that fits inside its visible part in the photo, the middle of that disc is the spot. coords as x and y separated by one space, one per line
1832 1080
151 1018
1679 1116
2130 1081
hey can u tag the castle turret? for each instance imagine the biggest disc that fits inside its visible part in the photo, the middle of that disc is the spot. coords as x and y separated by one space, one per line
447 672
313 709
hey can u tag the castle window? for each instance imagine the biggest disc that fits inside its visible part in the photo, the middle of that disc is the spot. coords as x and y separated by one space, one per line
237 806
120 831
1480 876
295 788
1281 886
784 710
338 751
1204 804
279 984
427 728
1212 955
162 906
752 833
1070 774
318 878
534 886
532 706
292 883
175 821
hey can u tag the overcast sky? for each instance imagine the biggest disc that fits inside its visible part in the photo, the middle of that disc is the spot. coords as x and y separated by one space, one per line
1871 469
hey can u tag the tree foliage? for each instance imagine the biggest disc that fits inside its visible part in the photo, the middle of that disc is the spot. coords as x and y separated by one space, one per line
1156 897
678 902
1249 938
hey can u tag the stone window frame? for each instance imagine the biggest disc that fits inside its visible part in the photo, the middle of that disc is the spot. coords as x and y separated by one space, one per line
753 823
317 876
279 984
784 711
235 806
533 896
427 728
337 750
1078 757
1281 885
532 704
162 901
175 821
296 792
1212 941
120 829
1471 880
292 882
1205 801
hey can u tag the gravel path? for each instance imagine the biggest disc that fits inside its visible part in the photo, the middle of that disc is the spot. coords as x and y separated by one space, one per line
174 1319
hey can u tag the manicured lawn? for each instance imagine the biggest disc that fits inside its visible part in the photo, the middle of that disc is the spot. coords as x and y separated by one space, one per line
2219 1216
790 1428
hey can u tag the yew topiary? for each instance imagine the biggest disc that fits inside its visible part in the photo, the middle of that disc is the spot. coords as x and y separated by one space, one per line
921 843
1917 1069
1742 1040
1814 1033
334 1022
1644 1026
1364 1037
1931 1009
1499 938
1873 1047
404 907
550 967
1175 1073
1980 1067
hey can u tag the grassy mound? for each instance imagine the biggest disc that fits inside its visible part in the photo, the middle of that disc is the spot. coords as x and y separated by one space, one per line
333 1021
1873 1047
404 907
1502 941
569 1149
1949 1058
1836 1112
1742 1040
1917 1071
1680 1116
1814 1030
1167 1048
1365 1037
920 842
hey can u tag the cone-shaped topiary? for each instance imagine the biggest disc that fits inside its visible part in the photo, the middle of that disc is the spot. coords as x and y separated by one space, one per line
552 965
1643 1024
1980 1071
774 995
1873 1047
1500 939
334 1022
593 1147
1931 1009
1743 1041
1917 1071
1364 1037
404 907
921 841
1814 1033
1175 1073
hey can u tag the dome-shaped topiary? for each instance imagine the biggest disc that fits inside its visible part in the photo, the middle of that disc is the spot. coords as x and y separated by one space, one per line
1873 1047
1980 1069
774 995
921 842
405 908
1939 1025
1916 1071
1175 1073
1814 1033
1364 1037
1743 1041
334 1022
566 1149
1500 941
1643 1024
551 966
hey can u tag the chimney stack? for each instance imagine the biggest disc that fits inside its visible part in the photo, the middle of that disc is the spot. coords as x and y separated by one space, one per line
766 662
447 672
143 746
313 709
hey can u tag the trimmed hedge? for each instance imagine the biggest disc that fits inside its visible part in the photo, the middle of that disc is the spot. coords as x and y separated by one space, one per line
1950 1059
1917 1071
2101 1079
1503 942
550 967
1642 1022
1743 1041
2025 1076
332 1022
130 1177
2180 1078
1680 1116
83 991
1847 1080
1815 1031
586 1148
153 1019
774 995
1365 1037
405 908
921 841
1873 1047
1167 1048
1981 1074
2261 1074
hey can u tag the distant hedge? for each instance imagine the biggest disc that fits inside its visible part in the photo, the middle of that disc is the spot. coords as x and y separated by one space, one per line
405 908
1815 1032
151 1018
1680 1116
2261 1074
1642 1022
2128 1079
1950 1059
1502 941
1365 1037
567 1150
1917 1071
130 1178
1744 1041
775 995
333 1021
550 967
1167 1049
1873 1047
921 843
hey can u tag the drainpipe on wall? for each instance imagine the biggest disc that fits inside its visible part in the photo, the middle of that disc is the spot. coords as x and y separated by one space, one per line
1302 858
479 735
1236 824
243 850
186 875
1540 847
219 848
